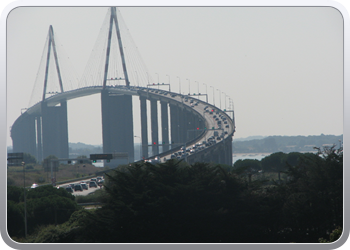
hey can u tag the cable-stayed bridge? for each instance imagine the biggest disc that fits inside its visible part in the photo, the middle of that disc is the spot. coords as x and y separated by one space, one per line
189 127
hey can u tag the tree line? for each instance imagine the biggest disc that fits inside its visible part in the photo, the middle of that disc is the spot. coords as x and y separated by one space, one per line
174 202
285 144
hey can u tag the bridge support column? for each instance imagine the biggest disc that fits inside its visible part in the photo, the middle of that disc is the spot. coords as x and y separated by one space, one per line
55 130
229 151
144 129
165 125
23 135
117 129
174 124
154 127
182 124
39 148
189 132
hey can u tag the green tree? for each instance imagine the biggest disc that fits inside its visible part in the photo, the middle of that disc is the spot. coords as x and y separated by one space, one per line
169 202
205 203
334 236
29 159
45 205
14 193
15 219
293 158
48 190
251 163
274 162
51 157
313 197
47 210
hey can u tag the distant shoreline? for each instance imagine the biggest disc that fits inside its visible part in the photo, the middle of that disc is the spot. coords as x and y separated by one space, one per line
249 154
264 154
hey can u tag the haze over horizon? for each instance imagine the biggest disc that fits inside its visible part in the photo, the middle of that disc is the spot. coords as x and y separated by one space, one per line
234 138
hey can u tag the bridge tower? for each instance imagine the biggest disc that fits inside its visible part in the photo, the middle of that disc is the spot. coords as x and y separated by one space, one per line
44 133
54 123
116 110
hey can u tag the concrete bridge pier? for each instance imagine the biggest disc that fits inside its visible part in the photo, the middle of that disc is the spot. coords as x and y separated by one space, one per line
174 124
55 130
190 125
144 129
154 127
165 125
39 147
23 135
183 124
117 132
225 153
228 147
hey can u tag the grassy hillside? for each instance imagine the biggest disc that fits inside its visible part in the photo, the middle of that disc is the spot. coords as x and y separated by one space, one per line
36 174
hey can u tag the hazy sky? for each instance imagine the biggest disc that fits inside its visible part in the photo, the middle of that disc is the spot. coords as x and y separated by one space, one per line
281 66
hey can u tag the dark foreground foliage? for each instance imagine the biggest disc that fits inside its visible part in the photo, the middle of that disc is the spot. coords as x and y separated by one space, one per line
45 205
203 203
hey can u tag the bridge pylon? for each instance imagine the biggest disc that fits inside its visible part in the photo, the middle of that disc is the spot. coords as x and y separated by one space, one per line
116 110
113 19
52 45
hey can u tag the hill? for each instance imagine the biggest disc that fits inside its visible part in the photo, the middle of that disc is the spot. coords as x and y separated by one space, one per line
285 144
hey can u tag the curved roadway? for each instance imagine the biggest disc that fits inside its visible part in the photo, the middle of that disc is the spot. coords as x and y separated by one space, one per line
202 108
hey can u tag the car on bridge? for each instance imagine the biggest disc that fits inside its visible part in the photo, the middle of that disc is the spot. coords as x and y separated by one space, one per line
100 182
93 184
78 187
84 185
69 189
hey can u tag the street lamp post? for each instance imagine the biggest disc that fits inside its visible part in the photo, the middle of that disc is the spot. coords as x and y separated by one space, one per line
147 78
206 92
25 201
158 79
219 97
225 98
198 88
213 95
137 79
189 86
169 82
179 85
